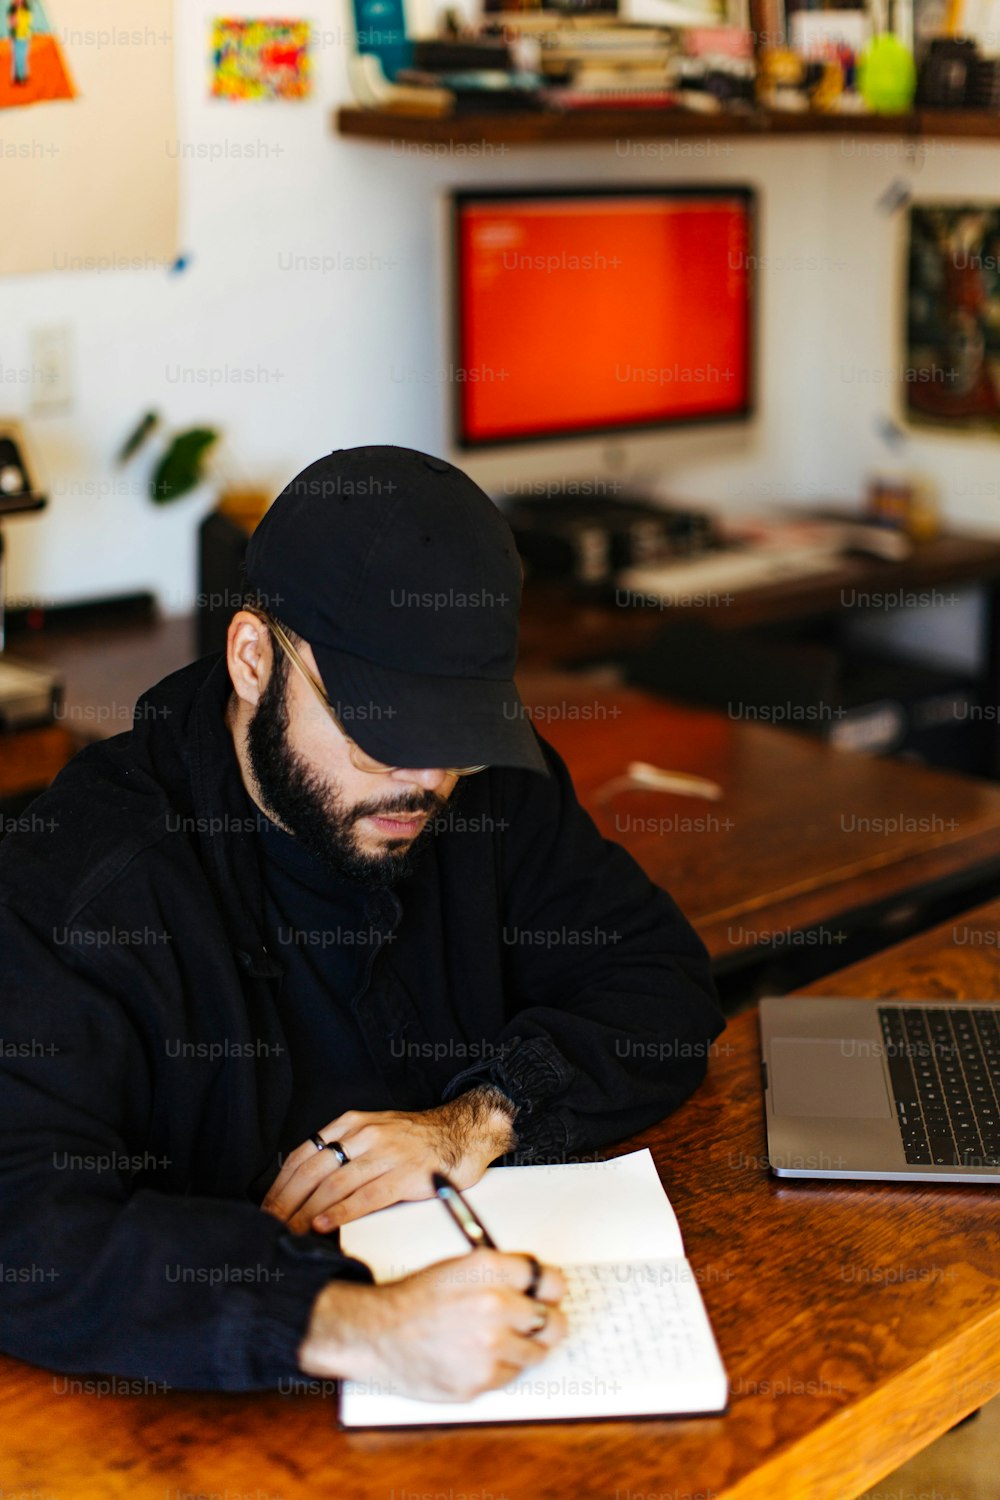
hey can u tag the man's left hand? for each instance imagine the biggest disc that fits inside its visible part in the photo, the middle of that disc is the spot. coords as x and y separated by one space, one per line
392 1155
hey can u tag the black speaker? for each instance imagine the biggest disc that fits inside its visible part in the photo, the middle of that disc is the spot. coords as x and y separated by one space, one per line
947 75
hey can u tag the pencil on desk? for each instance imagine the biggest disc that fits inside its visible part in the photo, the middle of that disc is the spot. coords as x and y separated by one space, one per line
642 773
639 774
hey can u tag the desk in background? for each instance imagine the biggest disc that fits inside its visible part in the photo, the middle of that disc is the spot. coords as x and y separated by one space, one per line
857 1323
806 839
559 625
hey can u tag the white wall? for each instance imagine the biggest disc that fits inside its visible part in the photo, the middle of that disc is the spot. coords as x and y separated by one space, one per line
290 362
863 337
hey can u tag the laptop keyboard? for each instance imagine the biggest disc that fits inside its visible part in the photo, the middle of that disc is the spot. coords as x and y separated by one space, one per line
945 1070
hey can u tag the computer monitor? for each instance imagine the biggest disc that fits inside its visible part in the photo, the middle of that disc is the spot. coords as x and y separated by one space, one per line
588 323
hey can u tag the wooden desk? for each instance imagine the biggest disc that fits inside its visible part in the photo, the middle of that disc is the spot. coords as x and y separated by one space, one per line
805 838
857 1323
31 758
560 625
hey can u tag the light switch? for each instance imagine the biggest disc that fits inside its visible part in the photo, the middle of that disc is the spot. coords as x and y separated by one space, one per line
51 371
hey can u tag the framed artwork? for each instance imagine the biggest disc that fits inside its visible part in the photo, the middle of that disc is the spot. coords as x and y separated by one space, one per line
260 59
952 364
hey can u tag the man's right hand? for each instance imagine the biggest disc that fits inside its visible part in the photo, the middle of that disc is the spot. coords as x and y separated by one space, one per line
446 1333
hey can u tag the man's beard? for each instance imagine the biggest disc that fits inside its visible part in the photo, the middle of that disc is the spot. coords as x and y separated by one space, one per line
315 812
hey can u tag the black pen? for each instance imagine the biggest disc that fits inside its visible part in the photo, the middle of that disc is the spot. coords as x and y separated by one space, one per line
463 1213
472 1226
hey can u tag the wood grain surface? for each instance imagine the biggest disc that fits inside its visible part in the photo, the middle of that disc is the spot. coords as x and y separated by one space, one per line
804 835
540 127
857 1322
30 758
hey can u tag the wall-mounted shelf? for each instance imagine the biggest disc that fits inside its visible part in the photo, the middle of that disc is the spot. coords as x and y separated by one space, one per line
542 127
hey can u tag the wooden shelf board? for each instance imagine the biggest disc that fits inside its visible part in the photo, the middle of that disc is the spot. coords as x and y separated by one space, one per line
539 127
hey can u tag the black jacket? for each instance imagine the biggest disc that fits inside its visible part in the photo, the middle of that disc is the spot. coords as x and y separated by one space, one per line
143 1075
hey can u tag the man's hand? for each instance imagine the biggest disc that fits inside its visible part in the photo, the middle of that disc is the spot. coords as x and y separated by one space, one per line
447 1333
392 1155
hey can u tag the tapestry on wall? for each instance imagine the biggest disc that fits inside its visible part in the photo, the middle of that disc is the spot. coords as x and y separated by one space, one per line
32 66
96 180
952 366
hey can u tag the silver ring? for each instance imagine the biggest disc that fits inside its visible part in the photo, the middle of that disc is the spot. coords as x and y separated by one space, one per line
540 1319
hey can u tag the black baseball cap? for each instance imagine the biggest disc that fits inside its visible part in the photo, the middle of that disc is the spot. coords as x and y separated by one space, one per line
405 580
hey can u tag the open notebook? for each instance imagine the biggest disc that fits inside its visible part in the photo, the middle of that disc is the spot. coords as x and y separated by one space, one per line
639 1340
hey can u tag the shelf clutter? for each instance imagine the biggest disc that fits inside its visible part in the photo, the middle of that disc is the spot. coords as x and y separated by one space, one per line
536 75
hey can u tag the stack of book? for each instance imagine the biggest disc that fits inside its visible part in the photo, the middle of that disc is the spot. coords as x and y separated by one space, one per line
608 67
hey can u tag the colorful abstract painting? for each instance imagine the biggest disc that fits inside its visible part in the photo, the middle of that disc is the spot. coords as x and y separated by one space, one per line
952 364
32 68
260 59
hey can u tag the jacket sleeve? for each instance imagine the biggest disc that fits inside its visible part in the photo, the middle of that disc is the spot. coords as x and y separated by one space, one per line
100 1274
611 1004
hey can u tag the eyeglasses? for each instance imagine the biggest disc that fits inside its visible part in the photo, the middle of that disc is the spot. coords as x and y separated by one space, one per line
359 758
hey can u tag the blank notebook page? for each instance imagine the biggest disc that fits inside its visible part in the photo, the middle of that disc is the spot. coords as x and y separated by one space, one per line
590 1211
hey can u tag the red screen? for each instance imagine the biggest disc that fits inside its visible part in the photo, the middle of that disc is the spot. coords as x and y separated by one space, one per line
582 314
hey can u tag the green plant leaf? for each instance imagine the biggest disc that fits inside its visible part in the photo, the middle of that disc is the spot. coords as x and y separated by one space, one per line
138 436
179 470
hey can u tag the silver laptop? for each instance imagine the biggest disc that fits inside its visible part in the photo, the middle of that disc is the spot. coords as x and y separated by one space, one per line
894 1090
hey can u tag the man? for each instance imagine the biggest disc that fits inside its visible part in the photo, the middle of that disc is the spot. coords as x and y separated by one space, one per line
328 919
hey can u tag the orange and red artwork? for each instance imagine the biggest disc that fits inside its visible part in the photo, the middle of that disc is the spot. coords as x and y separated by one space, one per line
32 68
260 59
